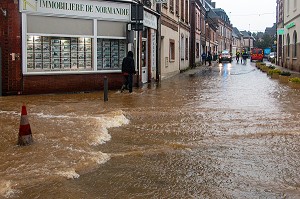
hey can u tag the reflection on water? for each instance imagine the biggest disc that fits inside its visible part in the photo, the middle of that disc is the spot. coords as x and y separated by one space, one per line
225 132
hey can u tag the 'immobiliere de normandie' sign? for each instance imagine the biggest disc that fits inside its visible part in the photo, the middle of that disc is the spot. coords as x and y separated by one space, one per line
92 9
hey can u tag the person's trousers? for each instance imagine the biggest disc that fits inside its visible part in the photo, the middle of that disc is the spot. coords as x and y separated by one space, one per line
128 79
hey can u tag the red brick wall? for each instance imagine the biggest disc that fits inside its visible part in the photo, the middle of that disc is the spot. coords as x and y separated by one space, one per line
10 42
42 84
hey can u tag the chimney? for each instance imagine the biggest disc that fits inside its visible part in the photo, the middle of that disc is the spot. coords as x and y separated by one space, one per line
213 4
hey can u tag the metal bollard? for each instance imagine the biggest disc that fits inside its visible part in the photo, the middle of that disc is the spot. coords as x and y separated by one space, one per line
105 89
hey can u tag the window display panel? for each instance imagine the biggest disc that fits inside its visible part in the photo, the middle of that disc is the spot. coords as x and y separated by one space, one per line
46 54
110 54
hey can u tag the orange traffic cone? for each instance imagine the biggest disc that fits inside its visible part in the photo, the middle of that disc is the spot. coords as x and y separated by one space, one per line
25 136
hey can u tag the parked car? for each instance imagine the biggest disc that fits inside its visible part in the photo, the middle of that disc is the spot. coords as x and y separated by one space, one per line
272 56
225 56
257 54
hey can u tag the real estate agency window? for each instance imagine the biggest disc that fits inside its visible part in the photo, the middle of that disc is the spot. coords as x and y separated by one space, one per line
172 50
110 53
47 53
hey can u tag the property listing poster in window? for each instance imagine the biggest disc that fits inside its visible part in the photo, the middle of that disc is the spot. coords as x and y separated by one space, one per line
46 54
110 53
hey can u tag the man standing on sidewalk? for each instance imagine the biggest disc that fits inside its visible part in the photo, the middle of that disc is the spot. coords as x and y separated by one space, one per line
128 69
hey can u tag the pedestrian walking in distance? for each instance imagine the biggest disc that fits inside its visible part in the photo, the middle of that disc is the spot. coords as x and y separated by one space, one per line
128 69
209 58
203 58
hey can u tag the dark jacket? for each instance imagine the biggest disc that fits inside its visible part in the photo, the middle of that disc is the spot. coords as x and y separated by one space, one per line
209 57
128 64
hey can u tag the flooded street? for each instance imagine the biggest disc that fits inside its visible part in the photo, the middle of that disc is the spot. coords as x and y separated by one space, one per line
225 132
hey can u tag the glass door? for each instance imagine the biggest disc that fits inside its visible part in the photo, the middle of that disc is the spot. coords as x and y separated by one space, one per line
144 62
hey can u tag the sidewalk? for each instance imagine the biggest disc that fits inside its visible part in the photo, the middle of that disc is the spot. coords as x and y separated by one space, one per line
294 73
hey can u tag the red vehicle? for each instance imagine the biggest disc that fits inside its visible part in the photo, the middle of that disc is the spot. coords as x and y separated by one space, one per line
256 54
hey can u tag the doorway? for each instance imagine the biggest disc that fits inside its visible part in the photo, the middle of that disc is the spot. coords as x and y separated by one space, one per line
144 61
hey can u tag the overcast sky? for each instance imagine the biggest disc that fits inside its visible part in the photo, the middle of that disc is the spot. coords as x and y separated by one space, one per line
253 14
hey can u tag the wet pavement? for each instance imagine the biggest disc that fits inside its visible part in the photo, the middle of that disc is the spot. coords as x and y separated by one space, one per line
227 131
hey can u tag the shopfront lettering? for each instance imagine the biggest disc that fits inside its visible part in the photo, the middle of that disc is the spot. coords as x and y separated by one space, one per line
92 9
62 5
110 10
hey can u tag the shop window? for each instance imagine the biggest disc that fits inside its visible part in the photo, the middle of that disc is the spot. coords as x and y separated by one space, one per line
58 54
110 54
172 50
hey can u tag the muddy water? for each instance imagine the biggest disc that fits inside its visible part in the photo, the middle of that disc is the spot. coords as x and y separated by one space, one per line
225 132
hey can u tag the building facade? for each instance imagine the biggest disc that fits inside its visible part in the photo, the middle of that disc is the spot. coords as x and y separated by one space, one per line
291 21
175 37
70 46
197 16
280 31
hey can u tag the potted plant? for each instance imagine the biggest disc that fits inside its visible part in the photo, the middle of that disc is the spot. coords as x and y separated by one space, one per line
294 82
284 77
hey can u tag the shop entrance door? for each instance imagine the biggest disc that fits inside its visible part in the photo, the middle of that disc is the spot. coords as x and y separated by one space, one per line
144 62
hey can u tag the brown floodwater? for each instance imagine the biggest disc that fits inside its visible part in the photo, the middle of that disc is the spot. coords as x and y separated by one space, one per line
223 132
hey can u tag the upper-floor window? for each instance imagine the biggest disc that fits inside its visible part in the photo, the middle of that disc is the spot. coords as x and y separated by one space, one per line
288 7
186 11
171 5
177 7
182 10
295 4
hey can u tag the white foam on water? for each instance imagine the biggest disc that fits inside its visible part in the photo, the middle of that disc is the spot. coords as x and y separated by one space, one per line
114 119
100 158
42 115
10 112
67 154
68 173
6 189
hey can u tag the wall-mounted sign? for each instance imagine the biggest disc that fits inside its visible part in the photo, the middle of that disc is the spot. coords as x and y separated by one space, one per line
91 9
153 51
280 31
161 1
290 25
150 20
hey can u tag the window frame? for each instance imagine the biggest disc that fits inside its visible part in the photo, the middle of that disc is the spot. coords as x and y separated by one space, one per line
295 44
171 50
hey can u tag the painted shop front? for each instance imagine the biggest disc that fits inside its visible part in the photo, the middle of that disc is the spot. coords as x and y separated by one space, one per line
149 46
71 45
68 45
